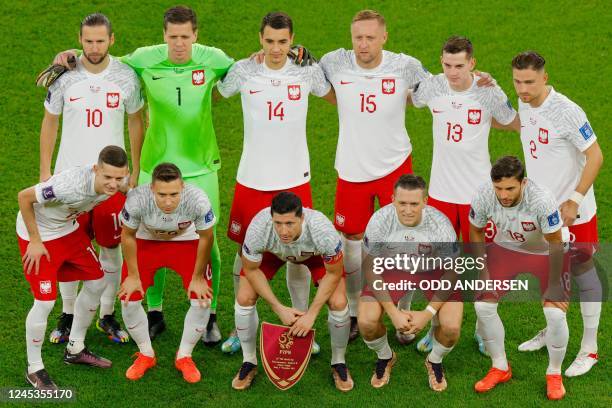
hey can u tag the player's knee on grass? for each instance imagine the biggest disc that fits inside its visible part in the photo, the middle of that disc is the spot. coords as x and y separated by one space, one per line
337 301
246 294
449 333
369 319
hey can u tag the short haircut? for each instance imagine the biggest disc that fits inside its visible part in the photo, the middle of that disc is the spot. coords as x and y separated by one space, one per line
180 15
277 20
364 15
114 156
529 60
410 182
457 44
166 172
286 202
96 19
507 167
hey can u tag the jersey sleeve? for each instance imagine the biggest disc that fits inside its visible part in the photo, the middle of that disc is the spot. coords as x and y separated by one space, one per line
499 105
548 215
131 215
330 62
54 101
233 81
204 216
423 92
576 128
326 239
374 237
412 71
479 208
134 101
255 239
319 84
212 57
58 189
145 57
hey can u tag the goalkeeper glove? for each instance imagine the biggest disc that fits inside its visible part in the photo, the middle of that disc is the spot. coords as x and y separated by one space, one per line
47 77
301 56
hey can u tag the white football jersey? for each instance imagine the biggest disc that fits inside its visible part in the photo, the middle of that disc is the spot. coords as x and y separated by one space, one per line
385 235
194 213
461 125
274 107
554 137
318 238
522 227
93 107
60 200
373 140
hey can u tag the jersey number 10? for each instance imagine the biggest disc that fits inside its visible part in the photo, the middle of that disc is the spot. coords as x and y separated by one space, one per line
94 118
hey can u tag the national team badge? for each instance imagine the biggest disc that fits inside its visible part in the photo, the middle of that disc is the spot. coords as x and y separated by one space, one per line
543 136
235 227
112 100
340 220
45 287
293 92
197 77
184 224
388 86
528 226
284 357
474 116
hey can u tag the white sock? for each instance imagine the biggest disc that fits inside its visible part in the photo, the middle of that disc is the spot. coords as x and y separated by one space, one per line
247 321
338 322
405 303
352 266
492 331
298 283
590 308
111 260
69 291
380 346
85 308
36 325
557 336
236 273
195 323
135 320
438 351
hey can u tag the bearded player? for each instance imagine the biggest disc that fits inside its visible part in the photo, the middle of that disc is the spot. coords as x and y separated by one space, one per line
275 106
411 227
166 223
54 248
561 152
529 240
93 100
287 232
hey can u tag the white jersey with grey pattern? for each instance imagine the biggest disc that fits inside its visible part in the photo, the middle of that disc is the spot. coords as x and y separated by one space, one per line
373 140
554 137
385 235
60 201
461 125
194 213
93 107
318 238
274 107
521 227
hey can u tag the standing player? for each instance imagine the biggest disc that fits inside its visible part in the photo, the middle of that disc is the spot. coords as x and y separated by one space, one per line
528 240
462 115
286 232
556 134
417 229
275 105
54 248
166 224
93 99
371 86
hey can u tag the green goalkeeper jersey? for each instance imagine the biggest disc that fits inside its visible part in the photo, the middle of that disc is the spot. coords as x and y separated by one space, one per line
180 127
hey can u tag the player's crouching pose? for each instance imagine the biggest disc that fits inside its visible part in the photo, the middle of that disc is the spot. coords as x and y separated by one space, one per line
286 232
166 223
53 248
528 240
408 225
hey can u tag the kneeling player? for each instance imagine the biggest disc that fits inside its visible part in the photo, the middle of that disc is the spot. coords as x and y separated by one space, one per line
53 249
528 240
413 226
166 224
286 232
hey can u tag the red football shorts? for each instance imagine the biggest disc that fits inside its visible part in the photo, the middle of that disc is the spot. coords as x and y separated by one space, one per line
103 222
584 241
459 216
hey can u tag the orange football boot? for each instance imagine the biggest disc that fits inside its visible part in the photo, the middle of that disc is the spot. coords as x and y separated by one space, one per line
494 376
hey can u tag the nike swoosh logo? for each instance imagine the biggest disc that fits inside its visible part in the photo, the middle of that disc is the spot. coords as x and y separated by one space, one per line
116 236
253 92
36 340
132 328
75 99
345 83
241 328
437 111
340 325
92 310
156 78
200 330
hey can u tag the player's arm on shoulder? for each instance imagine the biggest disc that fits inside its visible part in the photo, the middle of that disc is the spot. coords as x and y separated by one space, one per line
48 137
514 126
233 81
136 133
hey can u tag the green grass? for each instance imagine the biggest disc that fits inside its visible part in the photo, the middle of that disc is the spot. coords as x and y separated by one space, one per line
574 37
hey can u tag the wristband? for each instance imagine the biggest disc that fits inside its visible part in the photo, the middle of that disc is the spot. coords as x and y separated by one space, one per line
431 310
577 197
